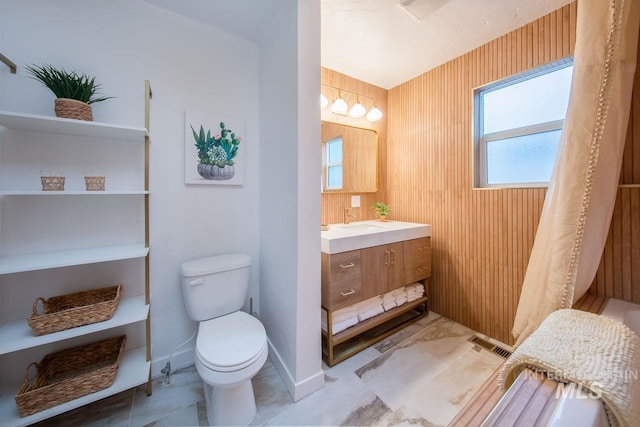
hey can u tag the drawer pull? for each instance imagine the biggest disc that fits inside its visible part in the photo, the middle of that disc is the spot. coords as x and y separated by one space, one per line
393 256
347 293
345 266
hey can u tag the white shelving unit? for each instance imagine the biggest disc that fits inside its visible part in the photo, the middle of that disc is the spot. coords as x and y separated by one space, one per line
133 309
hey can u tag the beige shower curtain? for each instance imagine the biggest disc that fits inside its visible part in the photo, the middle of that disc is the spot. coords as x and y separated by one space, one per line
579 202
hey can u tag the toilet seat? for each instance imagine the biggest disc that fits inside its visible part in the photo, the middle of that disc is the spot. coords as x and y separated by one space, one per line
231 342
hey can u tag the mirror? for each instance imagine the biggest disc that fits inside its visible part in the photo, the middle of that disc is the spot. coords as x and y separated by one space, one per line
349 159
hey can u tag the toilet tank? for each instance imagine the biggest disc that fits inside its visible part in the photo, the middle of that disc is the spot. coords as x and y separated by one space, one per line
216 285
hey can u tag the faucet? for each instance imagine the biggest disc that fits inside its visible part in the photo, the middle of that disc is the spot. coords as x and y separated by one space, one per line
347 215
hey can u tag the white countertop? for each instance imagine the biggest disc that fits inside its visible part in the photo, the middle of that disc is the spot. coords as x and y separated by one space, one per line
363 234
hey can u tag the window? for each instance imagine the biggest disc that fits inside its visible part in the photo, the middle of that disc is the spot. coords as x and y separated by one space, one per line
333 165
517 123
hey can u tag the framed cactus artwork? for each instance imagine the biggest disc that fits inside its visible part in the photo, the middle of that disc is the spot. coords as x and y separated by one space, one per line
213 149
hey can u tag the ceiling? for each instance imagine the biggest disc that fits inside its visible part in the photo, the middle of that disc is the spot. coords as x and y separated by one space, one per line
382 42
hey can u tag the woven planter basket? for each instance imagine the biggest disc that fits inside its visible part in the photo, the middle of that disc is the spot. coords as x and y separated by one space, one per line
94 183
73 109
73 310
52 183
68 374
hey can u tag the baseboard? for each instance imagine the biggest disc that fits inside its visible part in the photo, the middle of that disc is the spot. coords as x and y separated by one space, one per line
179 360
300 389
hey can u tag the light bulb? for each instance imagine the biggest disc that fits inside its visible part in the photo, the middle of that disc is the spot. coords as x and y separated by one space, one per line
323 101
339 106
374 114
357 111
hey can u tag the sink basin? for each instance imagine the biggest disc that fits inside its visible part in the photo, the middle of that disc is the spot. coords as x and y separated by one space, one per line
360 226
363 234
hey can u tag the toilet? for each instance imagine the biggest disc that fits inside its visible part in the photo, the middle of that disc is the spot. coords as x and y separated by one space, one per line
231 345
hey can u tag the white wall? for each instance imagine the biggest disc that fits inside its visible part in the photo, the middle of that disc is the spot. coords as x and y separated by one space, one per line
290 200
191 67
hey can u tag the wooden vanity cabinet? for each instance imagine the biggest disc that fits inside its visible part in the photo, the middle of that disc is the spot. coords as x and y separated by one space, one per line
354 276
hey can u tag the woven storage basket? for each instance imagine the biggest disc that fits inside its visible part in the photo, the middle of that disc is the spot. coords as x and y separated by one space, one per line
73 109
68 374
94 183
52 183
73 310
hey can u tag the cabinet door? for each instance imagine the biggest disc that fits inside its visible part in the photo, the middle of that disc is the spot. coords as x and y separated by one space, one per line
382 269
417 259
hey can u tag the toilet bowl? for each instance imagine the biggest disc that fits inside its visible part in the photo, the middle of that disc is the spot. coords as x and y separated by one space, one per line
231 345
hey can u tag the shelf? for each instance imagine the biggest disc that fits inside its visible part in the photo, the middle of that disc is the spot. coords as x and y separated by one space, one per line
375 321
69 193
18 335
55 259
133 371
376 331
49 124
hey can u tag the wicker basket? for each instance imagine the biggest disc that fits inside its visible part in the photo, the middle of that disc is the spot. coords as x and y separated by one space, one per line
73 310
73 109
52 183
94 183
68 374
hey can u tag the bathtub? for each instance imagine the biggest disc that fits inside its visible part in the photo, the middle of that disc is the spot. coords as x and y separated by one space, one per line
590 412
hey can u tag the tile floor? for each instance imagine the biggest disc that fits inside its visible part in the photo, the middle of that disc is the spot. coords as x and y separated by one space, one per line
422 375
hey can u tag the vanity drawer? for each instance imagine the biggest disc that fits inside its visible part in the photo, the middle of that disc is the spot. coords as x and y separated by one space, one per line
417 259
341 293
341 266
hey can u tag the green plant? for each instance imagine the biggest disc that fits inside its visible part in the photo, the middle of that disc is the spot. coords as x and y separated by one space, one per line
65 84
218 150
381 209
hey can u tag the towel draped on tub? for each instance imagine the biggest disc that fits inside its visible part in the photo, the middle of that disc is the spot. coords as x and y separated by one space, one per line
599 354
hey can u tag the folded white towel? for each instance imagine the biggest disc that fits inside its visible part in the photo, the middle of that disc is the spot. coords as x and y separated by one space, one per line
369 304
341 326
370 313
345 313
388 297
389 305
415 287
398 292
413 297
401 301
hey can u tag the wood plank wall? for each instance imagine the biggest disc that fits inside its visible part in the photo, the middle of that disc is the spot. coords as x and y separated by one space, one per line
481 239
618 275
334 203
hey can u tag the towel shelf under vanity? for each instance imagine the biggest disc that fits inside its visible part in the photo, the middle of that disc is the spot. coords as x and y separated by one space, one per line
354 276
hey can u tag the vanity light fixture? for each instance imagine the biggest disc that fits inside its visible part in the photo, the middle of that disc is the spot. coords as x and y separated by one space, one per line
374 114
323 101
340 106
357 110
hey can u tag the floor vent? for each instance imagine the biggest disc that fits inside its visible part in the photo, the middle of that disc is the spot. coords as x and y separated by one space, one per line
490 346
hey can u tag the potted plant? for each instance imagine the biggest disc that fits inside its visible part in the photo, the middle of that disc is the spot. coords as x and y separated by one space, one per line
382 211
75 92
216 153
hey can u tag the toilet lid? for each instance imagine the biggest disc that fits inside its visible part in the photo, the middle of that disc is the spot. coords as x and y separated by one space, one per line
231 342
